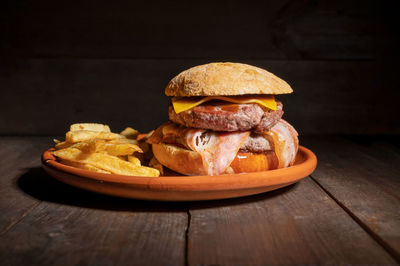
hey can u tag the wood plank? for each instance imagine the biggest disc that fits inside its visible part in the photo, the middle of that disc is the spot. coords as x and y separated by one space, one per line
18 157
296 225
384 148
365 181
120 232
157 29
130 93
72 226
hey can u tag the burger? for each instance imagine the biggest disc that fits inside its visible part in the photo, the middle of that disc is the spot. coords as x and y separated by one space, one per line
224 119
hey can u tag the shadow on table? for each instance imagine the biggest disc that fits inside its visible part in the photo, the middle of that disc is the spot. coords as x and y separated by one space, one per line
38 184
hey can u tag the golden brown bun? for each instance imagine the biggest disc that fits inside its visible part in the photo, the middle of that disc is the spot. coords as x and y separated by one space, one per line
178 159
225 79
190 163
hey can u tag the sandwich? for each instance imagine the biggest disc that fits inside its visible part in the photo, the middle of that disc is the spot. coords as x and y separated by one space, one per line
224 119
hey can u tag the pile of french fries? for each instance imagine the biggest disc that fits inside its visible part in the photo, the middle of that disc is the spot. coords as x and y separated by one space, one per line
94 147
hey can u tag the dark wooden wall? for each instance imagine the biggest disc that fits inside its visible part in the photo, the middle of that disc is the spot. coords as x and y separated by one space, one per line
108 61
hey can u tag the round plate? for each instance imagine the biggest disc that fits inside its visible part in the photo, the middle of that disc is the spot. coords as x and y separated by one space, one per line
182 188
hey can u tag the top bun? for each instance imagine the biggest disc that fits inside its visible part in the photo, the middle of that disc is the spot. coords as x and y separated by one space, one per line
225 79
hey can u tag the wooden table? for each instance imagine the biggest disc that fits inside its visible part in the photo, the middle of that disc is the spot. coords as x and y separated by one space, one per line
347 211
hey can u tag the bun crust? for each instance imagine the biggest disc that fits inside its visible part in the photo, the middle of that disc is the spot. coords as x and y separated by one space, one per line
190 163
179 160
226 79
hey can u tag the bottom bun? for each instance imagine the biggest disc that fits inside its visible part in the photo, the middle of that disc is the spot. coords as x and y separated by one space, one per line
188 162
180 160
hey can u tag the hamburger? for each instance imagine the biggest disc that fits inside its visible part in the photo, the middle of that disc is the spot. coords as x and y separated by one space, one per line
223 119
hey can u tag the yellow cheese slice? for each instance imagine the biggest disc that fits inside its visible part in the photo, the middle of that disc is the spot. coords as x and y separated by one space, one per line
185 103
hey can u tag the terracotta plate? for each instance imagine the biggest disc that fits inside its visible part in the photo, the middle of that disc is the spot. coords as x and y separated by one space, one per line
182 188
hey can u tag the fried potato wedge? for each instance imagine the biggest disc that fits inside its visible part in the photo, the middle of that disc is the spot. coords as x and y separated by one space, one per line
93 145
123 140
84 166
79 145
106 162
129 133
134 160
90 126
63 145
86 146
140 156
100 145
154 163
83 135
121 149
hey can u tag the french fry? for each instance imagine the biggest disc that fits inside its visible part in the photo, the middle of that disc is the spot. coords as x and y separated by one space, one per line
85 166
56 141
149 134
90 126
105 162
134 160
83 135
154 163
84 146
123 140
94 145
123 157
140 156
130 133
121 149
99 145
63 145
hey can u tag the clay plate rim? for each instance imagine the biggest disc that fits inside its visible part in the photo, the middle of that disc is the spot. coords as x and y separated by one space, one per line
305 164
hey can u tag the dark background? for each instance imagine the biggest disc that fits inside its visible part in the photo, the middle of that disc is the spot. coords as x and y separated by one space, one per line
108 61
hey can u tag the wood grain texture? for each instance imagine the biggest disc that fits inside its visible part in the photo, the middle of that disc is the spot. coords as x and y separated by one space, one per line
74 61
297 225
17 156
45 222
55 234
365 180
233 29
329 97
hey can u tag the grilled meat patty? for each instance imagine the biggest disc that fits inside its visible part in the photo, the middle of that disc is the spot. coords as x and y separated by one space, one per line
222 116
256 143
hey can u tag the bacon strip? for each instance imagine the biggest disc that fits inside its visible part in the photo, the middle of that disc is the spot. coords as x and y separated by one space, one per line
217 150
285 142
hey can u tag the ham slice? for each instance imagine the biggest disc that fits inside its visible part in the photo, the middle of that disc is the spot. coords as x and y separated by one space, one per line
285 142
217 149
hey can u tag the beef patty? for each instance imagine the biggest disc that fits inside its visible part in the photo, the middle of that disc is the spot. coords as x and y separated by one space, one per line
256 143
223 116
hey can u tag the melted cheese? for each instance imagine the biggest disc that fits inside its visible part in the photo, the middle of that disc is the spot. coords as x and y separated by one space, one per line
185 103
